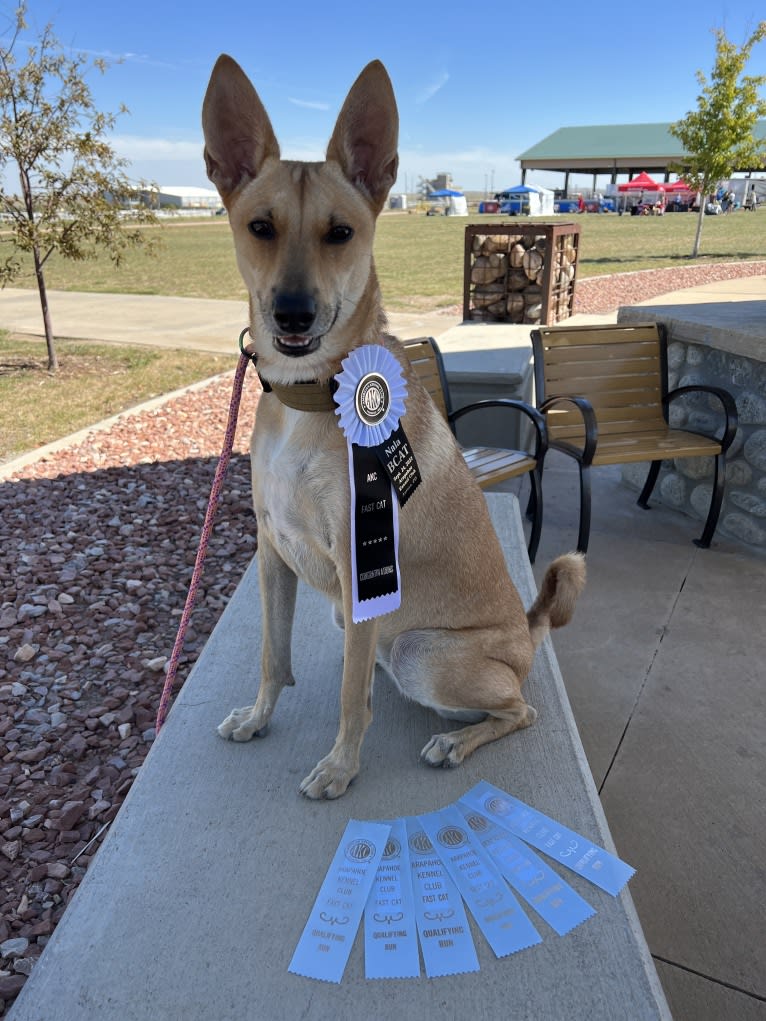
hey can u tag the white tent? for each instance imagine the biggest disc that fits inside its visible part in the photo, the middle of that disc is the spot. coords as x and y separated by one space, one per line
528 200
457 205
545 202
454 203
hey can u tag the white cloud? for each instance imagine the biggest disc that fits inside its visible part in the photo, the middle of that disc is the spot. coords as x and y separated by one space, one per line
305 149
475 168
138 147
430 90
307 104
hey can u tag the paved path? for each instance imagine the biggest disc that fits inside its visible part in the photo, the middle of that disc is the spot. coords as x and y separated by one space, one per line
200 324
203 324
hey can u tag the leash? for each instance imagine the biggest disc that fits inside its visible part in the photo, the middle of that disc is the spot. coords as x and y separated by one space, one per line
246 356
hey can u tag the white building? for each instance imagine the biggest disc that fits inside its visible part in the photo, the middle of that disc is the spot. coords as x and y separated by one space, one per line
183 197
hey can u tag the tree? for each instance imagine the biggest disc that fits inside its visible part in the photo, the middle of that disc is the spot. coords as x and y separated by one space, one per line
73 187
719 135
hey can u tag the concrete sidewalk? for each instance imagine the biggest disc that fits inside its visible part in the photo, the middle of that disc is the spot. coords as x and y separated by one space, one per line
198 324
664 667
202 324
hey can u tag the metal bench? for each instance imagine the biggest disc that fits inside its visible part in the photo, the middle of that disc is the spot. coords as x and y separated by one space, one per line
489 465
604 393
193 906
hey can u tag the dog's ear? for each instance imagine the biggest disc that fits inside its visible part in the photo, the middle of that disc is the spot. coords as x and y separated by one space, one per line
237 129
365 138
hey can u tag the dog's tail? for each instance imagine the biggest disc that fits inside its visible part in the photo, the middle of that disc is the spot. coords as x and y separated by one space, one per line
563 582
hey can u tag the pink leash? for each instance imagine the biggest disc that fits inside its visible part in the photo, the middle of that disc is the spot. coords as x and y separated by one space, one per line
207 528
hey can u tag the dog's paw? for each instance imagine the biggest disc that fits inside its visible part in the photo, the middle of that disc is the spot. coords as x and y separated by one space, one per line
326 780
445 750
243 724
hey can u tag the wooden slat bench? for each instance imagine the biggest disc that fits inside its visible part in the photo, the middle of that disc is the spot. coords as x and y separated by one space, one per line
193 906
604 392
489 465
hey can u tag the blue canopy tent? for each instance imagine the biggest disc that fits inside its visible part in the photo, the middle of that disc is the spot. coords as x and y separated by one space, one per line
525 199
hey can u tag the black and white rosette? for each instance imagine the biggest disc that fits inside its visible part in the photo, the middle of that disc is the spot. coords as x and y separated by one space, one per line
383 473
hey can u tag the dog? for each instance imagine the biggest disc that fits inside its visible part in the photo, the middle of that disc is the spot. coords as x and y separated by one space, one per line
460 642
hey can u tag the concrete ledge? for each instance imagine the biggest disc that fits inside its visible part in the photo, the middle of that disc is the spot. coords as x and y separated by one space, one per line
489 362
733 326
193 906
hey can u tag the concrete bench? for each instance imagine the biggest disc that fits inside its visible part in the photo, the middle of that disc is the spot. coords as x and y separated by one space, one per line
193 906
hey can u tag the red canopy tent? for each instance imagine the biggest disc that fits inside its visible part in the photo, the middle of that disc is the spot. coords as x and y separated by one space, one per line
641 182
677 186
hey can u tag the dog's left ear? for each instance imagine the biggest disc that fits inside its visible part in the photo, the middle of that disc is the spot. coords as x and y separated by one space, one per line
366 135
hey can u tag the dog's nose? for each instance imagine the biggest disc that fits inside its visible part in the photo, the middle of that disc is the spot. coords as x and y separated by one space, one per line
294 313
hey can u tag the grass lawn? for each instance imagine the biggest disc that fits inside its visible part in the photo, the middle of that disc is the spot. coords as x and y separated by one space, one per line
94 382
419 258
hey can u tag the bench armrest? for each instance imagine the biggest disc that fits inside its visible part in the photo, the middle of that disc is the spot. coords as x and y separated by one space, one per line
585 408
731 417
541 430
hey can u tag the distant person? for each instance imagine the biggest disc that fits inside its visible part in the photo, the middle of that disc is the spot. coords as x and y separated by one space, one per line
751 201
580 204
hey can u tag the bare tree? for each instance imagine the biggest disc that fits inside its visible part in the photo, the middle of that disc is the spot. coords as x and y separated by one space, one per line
73 190
719 135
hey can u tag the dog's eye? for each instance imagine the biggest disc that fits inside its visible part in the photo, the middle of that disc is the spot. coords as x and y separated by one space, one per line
262 229
339 235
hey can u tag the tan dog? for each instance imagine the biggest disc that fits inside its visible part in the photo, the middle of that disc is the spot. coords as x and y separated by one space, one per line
461 642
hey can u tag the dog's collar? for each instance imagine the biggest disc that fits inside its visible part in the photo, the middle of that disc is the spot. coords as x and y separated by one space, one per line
310 396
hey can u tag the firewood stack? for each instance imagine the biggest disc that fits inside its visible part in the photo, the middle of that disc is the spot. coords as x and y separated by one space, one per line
511 278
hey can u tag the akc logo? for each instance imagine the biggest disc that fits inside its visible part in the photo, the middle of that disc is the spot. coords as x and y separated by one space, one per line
360 851
420 843
477 822
392 850
452 836
372 398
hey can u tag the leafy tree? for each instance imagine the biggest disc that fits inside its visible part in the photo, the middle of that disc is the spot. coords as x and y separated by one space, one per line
72 185
718 136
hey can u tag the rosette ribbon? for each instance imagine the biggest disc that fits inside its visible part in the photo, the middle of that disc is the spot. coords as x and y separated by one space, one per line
370 395
364 363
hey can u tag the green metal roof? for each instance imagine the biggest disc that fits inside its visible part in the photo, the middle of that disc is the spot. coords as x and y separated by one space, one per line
606 140
605 146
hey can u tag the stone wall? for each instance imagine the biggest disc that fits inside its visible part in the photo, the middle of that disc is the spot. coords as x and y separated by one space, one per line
686 484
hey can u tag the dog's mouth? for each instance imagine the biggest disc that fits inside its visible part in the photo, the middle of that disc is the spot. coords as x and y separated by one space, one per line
297 345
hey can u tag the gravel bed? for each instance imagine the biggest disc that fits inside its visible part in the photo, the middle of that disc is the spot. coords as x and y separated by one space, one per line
605 294
97 545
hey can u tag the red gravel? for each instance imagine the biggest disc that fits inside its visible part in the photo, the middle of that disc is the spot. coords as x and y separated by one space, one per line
604 294
97 544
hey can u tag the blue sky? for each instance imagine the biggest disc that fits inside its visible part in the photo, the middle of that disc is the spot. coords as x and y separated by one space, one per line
475 88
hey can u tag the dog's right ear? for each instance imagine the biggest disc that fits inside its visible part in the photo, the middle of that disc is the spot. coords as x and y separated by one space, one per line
237 129
365 138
